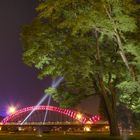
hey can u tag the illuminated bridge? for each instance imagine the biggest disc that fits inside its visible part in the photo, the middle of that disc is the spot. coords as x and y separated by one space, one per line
54 114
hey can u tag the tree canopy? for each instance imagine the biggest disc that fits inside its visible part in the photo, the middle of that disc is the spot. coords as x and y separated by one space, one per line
93 45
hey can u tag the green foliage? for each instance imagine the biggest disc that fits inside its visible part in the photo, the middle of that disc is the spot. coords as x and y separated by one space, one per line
50 90
130 94
136 120
78 39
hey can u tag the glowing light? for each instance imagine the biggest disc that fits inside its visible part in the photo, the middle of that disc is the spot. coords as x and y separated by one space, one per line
98 118
87 128
35 108
89 122
45 117
44 107
55 84
95 118
79 116
11 110
106 127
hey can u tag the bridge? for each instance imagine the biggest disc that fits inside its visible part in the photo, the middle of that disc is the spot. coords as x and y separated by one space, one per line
49 117
54 114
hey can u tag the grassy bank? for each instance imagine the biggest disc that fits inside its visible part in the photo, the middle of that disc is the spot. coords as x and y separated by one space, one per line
61 137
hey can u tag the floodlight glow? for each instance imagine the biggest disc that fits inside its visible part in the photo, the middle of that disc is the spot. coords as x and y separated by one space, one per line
87 128
11 110
89 122
67 112
79 116
49 100
55 84
39 103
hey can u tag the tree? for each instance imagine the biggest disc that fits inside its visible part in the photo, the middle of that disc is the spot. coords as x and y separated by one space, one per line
88 43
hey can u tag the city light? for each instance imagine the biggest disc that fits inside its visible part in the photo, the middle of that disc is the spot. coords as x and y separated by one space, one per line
68 112
89 122
107 127
11 110
79 116
95 118
87 128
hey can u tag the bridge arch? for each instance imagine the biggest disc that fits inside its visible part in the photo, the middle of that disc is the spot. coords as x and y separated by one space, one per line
83 118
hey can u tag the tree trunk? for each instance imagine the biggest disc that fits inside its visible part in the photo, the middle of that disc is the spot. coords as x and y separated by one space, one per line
113 125
110 108
119 42
110 103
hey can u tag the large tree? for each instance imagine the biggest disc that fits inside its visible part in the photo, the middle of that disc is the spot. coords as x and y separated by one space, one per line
90 44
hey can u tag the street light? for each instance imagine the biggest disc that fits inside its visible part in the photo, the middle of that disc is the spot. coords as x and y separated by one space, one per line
87 128
79 116
11 110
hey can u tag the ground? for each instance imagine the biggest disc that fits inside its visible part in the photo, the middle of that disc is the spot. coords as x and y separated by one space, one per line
61 137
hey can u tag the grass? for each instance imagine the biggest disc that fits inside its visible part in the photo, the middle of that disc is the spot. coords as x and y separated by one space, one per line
61 137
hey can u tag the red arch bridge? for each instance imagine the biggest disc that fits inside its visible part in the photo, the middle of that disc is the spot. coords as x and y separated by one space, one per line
54 114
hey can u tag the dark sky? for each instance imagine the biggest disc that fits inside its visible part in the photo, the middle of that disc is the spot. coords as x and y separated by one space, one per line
18 82
19 85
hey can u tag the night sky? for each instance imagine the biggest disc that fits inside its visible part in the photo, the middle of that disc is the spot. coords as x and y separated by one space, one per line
19 85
